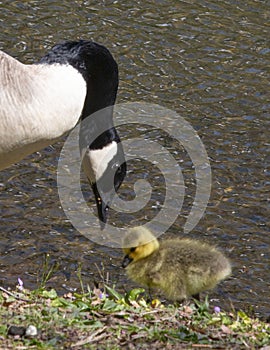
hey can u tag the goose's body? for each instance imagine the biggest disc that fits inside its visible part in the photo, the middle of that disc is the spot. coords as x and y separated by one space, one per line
181 268
38 103
41 102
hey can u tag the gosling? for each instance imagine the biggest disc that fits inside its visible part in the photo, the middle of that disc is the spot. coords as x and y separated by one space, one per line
180 268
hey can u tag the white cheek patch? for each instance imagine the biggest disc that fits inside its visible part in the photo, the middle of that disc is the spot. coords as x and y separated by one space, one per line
96 161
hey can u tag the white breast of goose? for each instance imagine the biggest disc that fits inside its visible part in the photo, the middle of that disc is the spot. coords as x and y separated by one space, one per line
38 104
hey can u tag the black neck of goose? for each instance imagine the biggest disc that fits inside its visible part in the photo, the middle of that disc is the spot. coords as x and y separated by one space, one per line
99 120
98 106
102 85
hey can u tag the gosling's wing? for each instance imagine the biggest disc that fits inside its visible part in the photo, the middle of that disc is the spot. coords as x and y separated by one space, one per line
156 279
153 266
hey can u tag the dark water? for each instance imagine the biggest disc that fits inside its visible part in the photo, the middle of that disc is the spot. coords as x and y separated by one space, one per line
209 62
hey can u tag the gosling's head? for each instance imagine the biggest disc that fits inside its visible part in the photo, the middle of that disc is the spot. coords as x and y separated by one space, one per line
138 244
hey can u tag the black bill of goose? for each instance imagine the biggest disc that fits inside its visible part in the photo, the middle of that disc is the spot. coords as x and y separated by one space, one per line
41 102
179 267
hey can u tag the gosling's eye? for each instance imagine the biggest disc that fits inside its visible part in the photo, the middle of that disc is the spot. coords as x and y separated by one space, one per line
132 249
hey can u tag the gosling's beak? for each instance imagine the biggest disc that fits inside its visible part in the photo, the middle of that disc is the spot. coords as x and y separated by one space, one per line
126 261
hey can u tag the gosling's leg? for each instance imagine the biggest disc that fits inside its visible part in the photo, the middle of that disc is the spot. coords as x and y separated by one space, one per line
150 297
196 296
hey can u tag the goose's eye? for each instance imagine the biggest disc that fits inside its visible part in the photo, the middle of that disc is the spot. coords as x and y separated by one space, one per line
132 249
115 166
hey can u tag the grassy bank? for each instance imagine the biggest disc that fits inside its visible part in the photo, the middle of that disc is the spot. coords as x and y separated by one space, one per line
99 319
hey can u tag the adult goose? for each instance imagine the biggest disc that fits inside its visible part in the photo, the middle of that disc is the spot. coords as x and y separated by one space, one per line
41 102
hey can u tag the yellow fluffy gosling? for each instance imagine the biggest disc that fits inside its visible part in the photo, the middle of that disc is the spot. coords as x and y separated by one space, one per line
179 267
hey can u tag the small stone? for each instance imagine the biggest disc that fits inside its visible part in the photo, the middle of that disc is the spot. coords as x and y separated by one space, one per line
16 330
31 331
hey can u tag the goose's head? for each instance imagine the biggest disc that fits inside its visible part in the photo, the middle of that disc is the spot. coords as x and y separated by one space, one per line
103 156
138 244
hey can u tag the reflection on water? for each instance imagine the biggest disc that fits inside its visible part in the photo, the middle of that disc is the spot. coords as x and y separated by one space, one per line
208 62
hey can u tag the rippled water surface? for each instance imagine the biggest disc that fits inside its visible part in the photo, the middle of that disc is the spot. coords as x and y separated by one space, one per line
209 62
